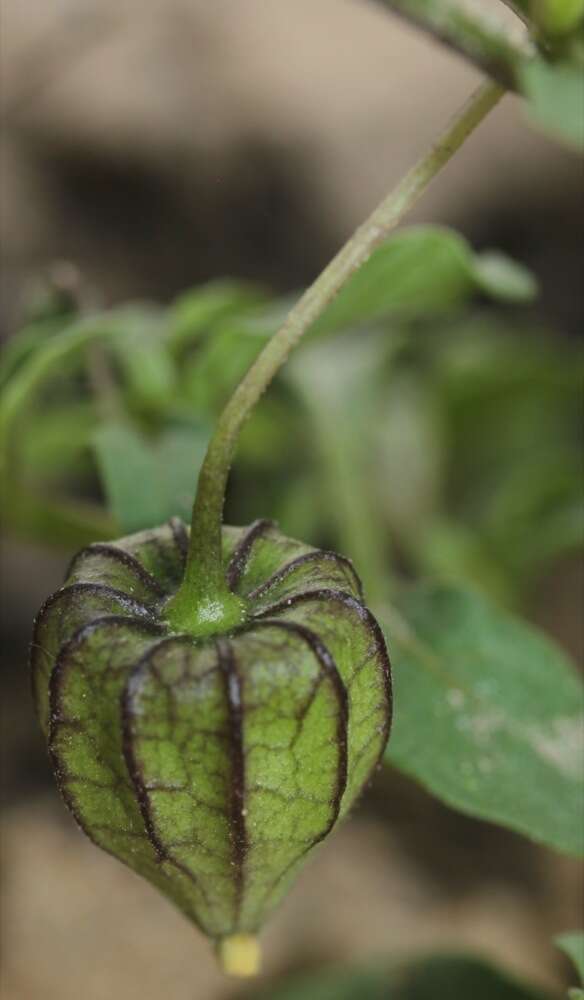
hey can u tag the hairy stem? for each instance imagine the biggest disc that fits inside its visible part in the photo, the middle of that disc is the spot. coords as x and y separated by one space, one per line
203 602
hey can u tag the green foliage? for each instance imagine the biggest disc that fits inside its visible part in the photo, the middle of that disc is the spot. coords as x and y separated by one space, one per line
461 443
556 95
502 278
422 270
572 944
129 378
198 311
165 469
429 434
489 716
436 978
212 768
548 74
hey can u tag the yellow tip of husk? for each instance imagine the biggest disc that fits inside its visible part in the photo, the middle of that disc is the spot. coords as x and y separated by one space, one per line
239 955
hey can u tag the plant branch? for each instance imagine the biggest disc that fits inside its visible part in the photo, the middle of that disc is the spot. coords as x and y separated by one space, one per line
204 583
470 32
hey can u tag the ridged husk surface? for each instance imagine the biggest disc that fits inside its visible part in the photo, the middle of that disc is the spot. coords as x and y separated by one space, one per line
211 767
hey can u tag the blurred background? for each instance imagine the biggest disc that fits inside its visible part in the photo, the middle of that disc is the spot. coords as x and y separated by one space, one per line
145 152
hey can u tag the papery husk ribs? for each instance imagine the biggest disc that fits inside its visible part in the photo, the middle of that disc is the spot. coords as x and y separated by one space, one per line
211 767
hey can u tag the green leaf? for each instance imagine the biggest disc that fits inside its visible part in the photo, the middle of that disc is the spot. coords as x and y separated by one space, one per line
54 355
489 715
326 375
572 944
148 371
442 977
448 550
147 482
22 345
179 453
420 271
503 278
128 471
197 312
556 98
410 435
210 376
54 441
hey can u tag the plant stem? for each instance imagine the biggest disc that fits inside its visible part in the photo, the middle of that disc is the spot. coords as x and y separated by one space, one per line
203 602
473 32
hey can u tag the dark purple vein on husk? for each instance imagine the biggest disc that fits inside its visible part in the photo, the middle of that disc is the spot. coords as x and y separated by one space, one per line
134 770
242 551
137 611
127 560
233 692
58 718
329 669
314 596
308 557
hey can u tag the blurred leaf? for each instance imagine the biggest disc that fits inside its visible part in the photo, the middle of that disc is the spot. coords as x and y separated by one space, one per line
198 311
511 405
503 278
556 98
52 522
180 452
23 344
53 358
300 513
448 550
489 715
421 270
148 371
339 384
211 374
485 358
408 437
130 477
147 483
572 944
462 978
536 512
436 978
55 439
